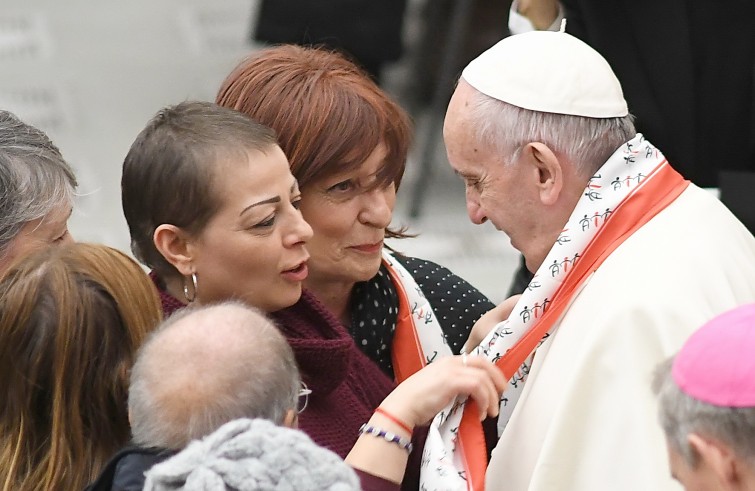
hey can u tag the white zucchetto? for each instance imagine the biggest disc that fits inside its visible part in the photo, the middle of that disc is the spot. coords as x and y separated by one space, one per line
551 72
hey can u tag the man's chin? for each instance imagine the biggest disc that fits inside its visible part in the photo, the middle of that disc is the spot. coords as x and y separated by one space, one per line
532 265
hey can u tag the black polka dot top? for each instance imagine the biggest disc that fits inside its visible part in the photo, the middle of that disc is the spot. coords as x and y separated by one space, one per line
374 308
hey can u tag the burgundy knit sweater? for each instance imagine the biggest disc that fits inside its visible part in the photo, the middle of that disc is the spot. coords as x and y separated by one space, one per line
346 385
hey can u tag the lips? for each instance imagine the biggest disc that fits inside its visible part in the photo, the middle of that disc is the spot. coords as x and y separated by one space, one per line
368 248
298 273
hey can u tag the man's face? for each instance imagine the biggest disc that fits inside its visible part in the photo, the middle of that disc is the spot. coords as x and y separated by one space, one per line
496 190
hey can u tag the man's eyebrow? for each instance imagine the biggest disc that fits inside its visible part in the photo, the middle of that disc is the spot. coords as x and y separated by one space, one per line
274 199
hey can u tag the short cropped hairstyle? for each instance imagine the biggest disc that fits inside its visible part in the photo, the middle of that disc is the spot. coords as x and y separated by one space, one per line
328 114
168 174
34 178
71 320
184 386
586 142
681 415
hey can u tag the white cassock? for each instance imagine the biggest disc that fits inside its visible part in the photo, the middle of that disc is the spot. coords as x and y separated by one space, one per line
587 417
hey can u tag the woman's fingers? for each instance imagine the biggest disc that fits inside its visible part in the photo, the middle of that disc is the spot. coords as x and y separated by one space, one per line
487 322
490 384
420 397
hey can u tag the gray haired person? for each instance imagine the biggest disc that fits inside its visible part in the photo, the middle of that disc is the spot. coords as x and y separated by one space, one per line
207 366
203 367
37 188
706 404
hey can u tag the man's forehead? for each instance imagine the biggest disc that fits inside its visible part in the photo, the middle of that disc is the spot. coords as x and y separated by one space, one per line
459 135
468 162
459 105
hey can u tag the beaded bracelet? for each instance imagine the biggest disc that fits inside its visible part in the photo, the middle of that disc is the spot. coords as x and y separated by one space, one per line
387 436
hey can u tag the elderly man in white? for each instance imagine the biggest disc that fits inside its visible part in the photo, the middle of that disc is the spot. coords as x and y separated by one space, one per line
629 258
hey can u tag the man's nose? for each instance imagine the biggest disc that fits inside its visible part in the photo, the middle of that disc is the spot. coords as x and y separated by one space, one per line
475 212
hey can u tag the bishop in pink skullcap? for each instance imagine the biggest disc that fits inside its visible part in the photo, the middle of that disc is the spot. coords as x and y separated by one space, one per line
717 363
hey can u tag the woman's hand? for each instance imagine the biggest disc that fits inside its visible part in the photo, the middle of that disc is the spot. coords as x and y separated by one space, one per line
416 401
419 398
487 322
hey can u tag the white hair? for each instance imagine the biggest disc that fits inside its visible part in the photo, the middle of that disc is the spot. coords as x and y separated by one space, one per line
206 366
585 142
680 415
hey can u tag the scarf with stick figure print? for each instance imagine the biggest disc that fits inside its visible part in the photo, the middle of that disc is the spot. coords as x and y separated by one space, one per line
418 339
633 186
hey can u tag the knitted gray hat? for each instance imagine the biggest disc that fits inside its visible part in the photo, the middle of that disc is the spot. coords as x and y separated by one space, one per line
256 454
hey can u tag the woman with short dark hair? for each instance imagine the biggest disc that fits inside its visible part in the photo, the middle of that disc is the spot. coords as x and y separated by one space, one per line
213 209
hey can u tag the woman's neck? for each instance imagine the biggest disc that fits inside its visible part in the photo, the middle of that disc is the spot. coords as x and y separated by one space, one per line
336 296
175 286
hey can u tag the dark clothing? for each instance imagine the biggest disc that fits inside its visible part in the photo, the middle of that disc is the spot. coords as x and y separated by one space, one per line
374 308
375 483
686 67
125 471
367 30
521 280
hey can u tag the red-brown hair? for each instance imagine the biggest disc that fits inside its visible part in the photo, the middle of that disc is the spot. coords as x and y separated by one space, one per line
328 114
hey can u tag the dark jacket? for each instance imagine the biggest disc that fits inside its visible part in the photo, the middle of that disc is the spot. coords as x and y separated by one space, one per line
125 471
368 30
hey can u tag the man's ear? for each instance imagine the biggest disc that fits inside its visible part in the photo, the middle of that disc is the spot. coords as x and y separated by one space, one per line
716 455
173 243
549 173
291 420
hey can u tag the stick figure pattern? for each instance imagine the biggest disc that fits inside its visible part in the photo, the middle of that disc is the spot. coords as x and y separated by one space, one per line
637 159
591 191
427 329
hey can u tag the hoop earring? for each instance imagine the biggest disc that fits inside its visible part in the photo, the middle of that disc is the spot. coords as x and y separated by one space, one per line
191 298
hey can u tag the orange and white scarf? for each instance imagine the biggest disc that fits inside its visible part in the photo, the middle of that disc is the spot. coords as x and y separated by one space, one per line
625 193
418 339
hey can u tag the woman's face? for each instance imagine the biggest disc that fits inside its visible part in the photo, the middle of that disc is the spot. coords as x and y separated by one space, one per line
52 229
252 249
349 220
